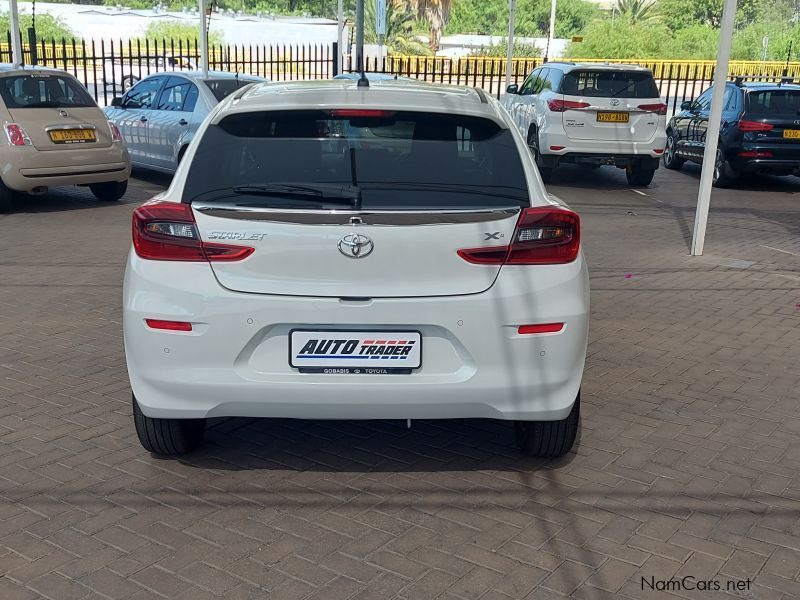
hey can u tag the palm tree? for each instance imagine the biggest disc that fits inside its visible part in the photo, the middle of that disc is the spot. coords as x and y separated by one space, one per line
399 38
636 11
436 12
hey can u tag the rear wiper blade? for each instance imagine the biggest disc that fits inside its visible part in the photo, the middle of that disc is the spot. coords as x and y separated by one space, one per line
325 192
443 187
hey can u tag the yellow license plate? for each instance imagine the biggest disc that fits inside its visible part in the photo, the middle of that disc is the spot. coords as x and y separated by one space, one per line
791 133
612 117
72 136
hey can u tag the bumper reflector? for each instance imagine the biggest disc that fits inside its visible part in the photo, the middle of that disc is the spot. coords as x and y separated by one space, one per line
540 328
755 154
168 325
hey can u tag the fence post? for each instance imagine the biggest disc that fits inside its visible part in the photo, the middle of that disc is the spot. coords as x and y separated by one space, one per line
335 59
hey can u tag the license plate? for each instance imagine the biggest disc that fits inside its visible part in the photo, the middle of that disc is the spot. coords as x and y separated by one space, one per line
355 352
612 117
791 133
72 136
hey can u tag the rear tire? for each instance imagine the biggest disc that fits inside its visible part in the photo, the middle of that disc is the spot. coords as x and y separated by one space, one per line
671 158
6 198
545 172
167 436
724 175
109 191
549 439
639 176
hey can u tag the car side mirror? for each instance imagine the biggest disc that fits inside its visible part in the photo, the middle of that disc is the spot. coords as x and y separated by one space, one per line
116 102
686 105
512 89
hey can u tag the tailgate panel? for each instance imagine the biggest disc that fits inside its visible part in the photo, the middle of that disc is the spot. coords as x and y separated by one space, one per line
399 255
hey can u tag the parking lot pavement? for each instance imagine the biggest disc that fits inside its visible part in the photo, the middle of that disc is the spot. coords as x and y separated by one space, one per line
687 464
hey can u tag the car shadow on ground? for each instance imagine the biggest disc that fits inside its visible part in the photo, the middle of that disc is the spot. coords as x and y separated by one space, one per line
365 446
581 177
155 178
61 200
69 198
752 182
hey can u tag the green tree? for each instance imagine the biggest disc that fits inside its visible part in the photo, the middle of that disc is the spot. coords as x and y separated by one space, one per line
680 14
500 50
400 21
436 13
636 11
171 29
622 39
48 27
490 17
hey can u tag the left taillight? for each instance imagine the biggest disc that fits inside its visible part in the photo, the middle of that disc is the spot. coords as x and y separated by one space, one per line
543 236
167 231
17 136
116 135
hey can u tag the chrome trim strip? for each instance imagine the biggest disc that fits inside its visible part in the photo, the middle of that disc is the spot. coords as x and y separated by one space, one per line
356 217
73 126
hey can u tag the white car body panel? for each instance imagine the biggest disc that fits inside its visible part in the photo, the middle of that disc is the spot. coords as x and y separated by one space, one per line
235 361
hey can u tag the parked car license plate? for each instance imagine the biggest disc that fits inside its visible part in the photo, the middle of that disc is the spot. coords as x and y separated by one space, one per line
791 133
72 136
612 117
355 352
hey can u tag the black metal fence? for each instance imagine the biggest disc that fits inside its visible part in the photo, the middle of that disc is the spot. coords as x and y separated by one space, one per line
108 67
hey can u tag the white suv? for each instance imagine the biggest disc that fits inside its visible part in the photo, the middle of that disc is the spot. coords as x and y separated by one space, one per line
591 114
422 272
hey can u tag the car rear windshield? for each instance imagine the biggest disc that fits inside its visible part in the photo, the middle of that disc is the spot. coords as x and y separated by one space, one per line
609 84
774 102
43 90
221 88
389 159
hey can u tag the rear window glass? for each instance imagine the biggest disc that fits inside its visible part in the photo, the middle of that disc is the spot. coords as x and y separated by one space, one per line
43 90
774 102
221 88
391 160
609 84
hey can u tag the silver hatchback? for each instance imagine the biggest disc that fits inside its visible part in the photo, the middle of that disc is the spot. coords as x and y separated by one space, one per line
159 116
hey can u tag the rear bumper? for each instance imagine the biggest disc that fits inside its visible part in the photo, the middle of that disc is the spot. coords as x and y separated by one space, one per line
28 168
783 159
235 361
760 165
548 139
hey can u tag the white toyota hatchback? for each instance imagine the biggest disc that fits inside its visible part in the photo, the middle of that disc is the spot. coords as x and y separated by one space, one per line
328 251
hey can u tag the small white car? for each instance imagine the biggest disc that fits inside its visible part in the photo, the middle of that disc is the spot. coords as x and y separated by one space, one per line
591 114
428 275
56 135
159 115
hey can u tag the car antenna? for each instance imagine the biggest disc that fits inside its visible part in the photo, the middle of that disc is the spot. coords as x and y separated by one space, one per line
238 83
362 81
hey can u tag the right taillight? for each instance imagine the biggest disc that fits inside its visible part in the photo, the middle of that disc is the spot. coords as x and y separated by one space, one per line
17 136
659 109
167 231
562 105
748 126
543 236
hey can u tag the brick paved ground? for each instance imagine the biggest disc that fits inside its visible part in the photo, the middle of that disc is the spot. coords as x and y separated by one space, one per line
688 462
